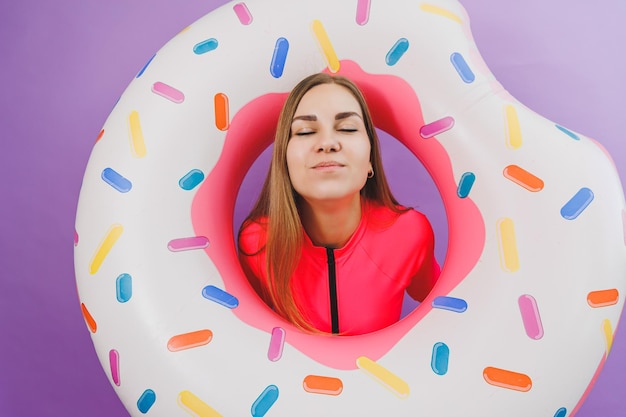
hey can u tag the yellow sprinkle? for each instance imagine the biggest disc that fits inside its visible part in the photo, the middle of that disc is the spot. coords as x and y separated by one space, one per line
137 144
607 329
325 46
431 8
384 376
509 258
114 232
513 129
195 406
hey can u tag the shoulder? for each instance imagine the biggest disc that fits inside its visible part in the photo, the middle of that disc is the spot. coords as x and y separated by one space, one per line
252 236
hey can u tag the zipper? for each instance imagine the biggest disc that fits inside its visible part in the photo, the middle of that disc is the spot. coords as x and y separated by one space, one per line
332 290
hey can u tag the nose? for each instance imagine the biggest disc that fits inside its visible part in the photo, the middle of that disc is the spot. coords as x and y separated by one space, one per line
328 142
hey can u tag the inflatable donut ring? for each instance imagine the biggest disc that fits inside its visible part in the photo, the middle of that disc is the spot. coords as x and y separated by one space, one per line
532 286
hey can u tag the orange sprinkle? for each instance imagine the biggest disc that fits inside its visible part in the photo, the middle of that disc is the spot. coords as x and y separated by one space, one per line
322 385
189 340
221 111
603 298
100 135
507 379
91 323
523 178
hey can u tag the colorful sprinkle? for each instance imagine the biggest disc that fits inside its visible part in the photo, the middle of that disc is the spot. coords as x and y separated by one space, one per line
462 68
114 364
91 323
397 51
100 135
440 358
607 329
513 128
456 305
220 296
530 316
277 343
222 117
75 238
143 69
137 143
603 298
561 412
124 288
326 47
277 66
383 376
465 184
112 235
146 401
577 204
265 401
190 403
205 46
437 127
116 180
507 379
188 243
568 132
362 12
168 92
190 180
509 258
325 385
189 340
242 12
523 178
430 8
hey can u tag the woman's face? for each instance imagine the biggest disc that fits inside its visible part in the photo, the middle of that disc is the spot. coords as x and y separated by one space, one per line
328 154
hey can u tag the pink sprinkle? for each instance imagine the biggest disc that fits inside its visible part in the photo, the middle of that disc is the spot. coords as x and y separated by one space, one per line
114 361
242 12
75 238
168 92
363 12
530 316
277 342
437 127
188 243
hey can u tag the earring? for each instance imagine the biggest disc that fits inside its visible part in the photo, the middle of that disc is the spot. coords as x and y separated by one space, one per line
370 173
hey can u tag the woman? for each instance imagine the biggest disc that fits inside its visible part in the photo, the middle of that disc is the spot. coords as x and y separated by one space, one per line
327 246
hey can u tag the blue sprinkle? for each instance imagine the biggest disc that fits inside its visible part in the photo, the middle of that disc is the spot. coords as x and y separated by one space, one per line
191 179
124 287
280 56
577 204
265 401
146 401
561 412
450 303
440 358
145 67
220 296
568 132
465 184
462 68
205 46
115 180
396 51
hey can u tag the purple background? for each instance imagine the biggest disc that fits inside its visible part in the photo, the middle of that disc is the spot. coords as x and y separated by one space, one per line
63 65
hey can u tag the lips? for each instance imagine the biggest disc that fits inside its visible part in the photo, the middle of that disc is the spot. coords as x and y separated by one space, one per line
328 164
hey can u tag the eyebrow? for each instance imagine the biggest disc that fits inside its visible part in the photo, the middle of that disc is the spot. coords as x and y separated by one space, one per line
338 116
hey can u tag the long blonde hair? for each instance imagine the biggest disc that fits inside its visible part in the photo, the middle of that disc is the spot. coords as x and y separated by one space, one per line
278 202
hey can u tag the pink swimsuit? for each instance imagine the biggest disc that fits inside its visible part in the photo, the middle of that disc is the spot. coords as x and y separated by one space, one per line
358 288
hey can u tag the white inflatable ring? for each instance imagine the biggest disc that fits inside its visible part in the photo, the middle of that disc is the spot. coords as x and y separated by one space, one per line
531 290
